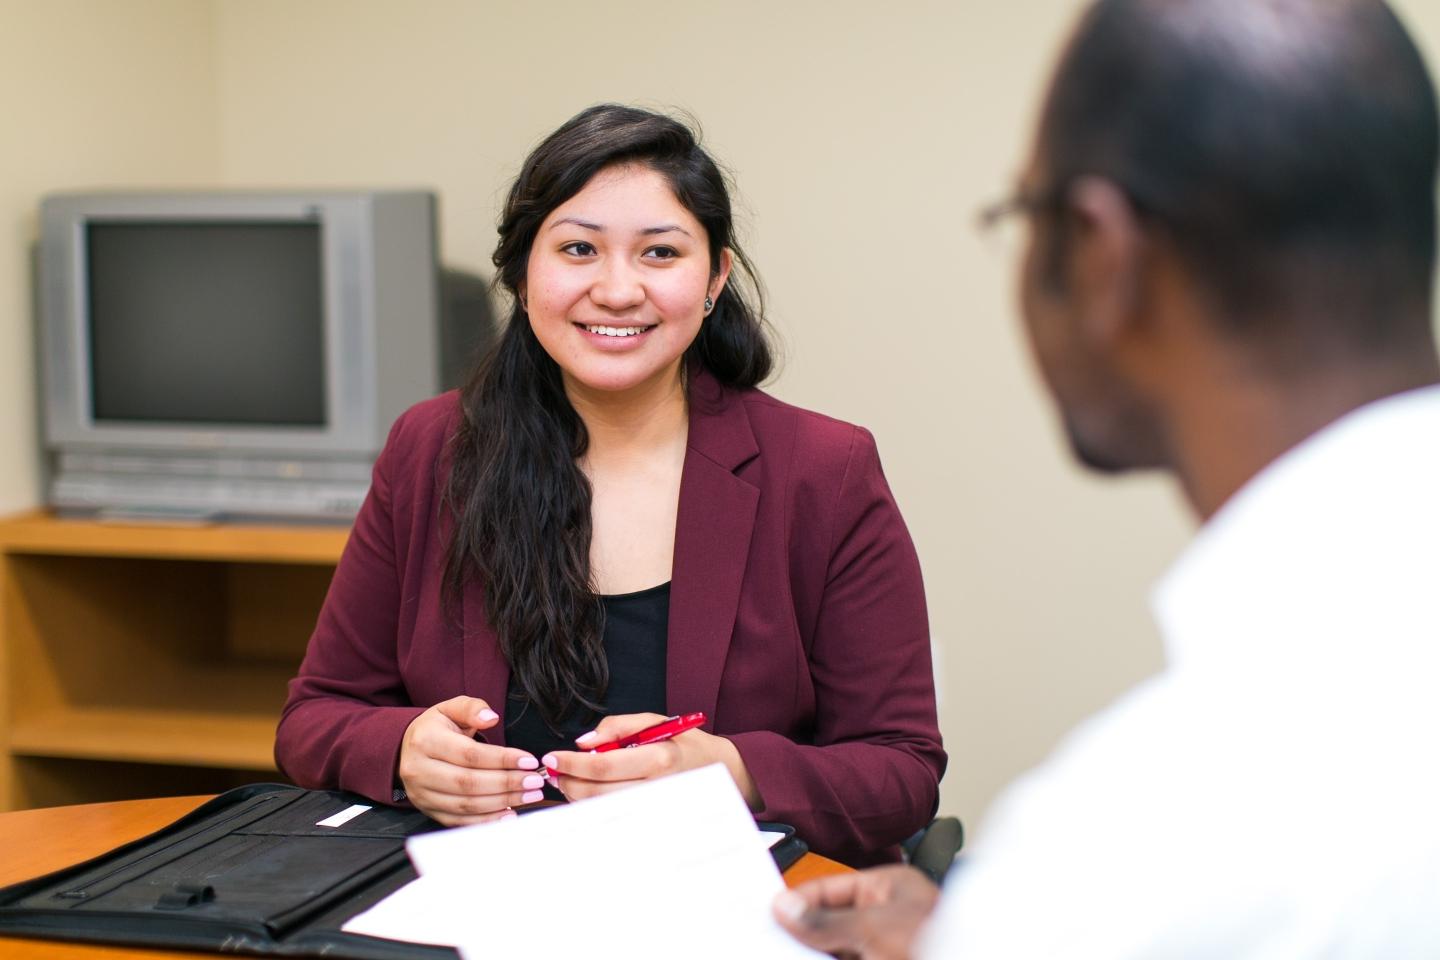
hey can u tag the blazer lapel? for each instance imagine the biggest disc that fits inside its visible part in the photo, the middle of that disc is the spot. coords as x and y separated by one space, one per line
483 667
712 542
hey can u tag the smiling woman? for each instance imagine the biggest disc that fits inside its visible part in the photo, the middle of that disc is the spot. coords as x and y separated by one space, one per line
610 523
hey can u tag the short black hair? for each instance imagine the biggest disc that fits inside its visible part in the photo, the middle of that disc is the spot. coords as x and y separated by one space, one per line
1288 147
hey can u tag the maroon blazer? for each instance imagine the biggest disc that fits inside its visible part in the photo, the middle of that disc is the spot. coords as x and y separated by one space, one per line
797 623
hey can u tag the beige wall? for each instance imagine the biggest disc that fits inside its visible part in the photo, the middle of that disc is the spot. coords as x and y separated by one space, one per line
862 140
863 137
93 93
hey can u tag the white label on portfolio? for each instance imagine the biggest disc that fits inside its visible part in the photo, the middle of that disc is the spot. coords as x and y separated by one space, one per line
343 817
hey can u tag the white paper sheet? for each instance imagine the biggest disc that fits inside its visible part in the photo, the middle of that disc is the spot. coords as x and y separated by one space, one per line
672 868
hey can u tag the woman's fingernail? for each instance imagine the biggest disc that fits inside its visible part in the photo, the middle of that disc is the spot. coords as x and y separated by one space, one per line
548 760
528 762
530 796
533 782
488 715
585 737
507 815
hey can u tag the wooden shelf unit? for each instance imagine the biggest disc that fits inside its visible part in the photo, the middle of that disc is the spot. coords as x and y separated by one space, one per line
140 660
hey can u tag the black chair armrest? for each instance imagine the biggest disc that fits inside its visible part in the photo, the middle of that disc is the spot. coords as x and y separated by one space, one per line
932 850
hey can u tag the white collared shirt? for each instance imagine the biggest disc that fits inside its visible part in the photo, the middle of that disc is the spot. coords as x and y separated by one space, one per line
1275 792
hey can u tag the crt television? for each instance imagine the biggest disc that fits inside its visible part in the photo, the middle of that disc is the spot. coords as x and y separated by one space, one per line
231 355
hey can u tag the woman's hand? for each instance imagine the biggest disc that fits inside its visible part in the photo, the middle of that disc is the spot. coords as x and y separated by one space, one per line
587 774
451 778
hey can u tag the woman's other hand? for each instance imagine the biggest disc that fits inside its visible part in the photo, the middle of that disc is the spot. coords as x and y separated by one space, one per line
582 775
453 779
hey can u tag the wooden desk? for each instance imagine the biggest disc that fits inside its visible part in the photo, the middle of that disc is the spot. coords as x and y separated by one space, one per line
38 841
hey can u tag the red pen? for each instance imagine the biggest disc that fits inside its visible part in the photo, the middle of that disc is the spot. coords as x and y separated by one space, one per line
664 730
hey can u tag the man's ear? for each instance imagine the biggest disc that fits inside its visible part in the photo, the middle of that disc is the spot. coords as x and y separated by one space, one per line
1104 261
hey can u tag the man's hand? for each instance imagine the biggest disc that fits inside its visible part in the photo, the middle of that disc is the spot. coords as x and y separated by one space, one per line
871 915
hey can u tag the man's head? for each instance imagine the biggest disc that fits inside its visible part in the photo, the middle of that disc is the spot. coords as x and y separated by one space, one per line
1264 168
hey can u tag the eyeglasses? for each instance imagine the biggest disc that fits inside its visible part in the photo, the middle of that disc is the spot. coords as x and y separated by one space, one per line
1001 224
1022 201
1050 200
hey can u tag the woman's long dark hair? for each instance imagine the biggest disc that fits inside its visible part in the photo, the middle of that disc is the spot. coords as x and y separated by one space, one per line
520 503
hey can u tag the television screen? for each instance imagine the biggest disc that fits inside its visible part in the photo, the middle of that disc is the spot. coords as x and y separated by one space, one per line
206 322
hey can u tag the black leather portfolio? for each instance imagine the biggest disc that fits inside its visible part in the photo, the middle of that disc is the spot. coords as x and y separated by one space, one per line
262 869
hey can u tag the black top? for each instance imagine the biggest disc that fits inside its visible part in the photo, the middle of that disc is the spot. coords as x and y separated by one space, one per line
636 627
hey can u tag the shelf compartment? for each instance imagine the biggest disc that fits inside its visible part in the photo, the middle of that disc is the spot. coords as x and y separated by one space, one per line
56 781
190 738
144 660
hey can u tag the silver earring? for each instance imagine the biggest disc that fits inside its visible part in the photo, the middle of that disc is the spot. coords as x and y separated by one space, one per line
709 305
